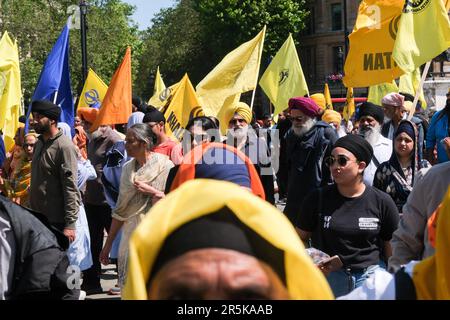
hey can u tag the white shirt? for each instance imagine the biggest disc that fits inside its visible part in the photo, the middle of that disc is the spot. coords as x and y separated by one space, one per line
7 256
382 151
379 286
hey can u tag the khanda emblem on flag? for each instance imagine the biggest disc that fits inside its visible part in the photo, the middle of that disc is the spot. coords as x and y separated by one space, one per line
196 112
393 26
165 94
92 97
284 75
415 5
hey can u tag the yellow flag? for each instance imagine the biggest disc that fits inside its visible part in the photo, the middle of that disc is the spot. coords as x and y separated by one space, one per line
369 61
326 93
159 88
377 92
183 106
94 91
423 33
235 74
160 100
10 90
409 82
349 108
284 78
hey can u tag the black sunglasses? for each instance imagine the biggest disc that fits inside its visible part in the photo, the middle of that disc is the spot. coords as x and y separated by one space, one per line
237 121
340 159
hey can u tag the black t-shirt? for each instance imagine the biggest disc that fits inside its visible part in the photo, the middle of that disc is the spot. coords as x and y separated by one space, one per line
352 228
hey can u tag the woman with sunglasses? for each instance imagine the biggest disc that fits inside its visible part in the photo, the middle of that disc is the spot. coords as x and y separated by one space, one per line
396 176
349 218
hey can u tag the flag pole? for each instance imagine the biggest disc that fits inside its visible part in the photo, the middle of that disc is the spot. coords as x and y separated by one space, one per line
55 97
259 65
419 89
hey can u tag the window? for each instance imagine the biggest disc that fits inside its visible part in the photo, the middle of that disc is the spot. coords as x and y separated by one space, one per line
336 16
308 62
309 23
338 59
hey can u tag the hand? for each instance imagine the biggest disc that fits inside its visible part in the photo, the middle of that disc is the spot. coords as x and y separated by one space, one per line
70 234
104 255
325 269
145 188
447 143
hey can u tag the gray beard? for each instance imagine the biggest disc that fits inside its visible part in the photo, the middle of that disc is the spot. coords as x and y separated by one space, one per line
239 134
371 134
300 132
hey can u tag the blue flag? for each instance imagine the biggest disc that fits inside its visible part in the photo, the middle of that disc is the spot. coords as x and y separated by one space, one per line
54 81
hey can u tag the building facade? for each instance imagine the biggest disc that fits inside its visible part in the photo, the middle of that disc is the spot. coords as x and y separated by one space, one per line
322 47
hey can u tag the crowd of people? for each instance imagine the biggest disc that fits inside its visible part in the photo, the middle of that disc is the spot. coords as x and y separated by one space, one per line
200 218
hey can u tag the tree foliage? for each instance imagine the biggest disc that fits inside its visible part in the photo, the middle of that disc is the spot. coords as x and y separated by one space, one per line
36 24
196 34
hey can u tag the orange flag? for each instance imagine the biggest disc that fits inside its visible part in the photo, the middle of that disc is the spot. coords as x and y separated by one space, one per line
116 106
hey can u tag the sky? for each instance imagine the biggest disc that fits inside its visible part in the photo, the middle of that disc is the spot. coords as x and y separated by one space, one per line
146 9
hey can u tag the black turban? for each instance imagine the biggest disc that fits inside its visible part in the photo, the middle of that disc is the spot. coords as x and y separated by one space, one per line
361 149
154 116
46 108
372 110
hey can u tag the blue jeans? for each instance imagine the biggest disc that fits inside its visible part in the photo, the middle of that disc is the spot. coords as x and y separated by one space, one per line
345 280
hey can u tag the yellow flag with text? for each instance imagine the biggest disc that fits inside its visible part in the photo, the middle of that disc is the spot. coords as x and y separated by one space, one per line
349 108
423 33
10 90
377 92
369 61
409 82
235 74
328 101
94 91
284 78
183 107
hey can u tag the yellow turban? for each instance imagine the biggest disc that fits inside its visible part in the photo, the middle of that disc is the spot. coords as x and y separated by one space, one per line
431 276
241 108
200 197
332 116
319 99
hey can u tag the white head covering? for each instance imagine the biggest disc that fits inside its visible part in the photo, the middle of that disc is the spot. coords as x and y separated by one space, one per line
136 117
65 128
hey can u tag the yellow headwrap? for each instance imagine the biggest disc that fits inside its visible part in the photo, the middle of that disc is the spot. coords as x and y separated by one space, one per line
241 108
319 99
332 116
201 197
431 276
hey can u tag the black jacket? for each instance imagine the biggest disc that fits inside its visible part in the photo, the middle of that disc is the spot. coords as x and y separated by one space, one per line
306 165
40 260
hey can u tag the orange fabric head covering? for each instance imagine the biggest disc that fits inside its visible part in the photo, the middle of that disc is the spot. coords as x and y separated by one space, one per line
186 170
88 114
431 276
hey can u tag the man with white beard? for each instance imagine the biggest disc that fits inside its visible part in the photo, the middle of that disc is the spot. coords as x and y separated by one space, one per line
309 142
371 117
244 138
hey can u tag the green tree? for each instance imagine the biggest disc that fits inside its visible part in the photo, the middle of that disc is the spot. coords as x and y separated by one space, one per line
36 24
228 23
195 35
173 43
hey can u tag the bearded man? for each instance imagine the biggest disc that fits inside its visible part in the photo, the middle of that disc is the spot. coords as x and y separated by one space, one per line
309 142
371 117
53 186
242 136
